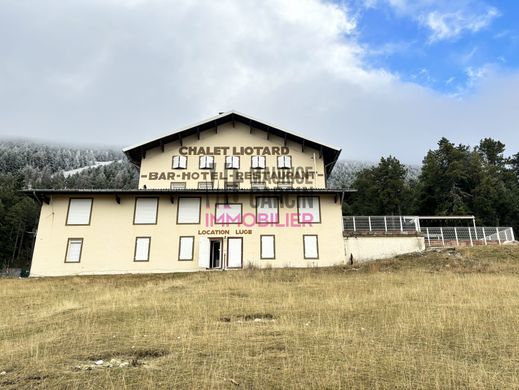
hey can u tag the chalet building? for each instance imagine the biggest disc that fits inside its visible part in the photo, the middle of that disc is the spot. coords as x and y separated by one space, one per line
225 193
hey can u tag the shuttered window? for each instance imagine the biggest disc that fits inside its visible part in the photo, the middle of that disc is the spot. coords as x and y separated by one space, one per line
232 162
309 209
206 162
142 249
228 213
74 249
267 209
185 250
268 250
188 211
145 211
311 247
258 162
79 211
284 162
179 162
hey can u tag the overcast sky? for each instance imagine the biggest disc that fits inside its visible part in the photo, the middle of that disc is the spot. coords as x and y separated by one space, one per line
375 77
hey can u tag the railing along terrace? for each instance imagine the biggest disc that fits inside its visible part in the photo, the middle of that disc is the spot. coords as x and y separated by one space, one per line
434 236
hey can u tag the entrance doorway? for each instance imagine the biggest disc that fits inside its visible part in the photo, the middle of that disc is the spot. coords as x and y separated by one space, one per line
215 253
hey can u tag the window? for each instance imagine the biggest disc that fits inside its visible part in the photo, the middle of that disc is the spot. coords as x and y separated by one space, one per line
285 185
185 249
142 249
74 249
284 162
205 185
227 213
308 209
258 162
178 185
79 211
188 211
232 185
179 162
267 209
145 211
268 247
206 162
258 185
232 162
310 246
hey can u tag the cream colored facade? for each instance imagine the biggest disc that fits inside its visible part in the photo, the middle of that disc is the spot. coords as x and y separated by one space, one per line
242 142
102 232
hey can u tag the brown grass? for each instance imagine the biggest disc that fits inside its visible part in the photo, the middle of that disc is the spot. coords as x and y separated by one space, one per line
432 321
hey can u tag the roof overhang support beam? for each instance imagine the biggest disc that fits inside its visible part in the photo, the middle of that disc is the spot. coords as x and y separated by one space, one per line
198 132
303 146
117 198
162 146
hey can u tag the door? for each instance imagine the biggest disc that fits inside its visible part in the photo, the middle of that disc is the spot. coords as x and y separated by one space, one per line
215 253
234 252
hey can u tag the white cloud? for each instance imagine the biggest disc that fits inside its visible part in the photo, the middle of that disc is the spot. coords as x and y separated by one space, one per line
451 25
118 72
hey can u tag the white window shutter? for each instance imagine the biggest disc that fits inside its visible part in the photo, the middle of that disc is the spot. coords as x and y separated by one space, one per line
310 245
234 252
188 210
142 249
74 251
204 252
255 161
267 247
235 161
176 163
267 210
79 212
186 248
183 161
309 210
261 161
146 211
281 162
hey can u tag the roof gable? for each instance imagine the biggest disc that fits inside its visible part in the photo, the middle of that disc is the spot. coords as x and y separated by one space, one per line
137 152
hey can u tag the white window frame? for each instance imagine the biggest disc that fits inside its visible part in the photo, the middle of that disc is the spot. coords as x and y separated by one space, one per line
148 249
182 242
205 185
260 204
232 162
139 218
307 241
221 207
302 207
75 241
284 162
179 162
77 205
258 162
264 240
206 162
177 185
182 216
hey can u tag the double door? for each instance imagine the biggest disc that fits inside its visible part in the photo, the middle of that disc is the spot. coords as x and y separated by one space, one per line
220 253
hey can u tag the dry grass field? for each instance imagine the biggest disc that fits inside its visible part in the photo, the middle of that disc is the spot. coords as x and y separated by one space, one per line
433 321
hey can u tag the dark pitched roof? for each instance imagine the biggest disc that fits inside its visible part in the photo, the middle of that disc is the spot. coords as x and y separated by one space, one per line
329 153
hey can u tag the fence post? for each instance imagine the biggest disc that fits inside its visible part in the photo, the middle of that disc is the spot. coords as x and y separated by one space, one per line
385 224
475 228
485 236
443 238
498 235
428 237
369 221
470 235
512 234
354 225
506 235
456 235
401 225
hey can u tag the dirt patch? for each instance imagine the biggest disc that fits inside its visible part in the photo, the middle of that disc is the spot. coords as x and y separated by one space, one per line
135 358
256 317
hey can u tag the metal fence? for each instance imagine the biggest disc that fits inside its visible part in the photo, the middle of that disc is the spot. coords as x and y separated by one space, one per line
434 236
381 224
